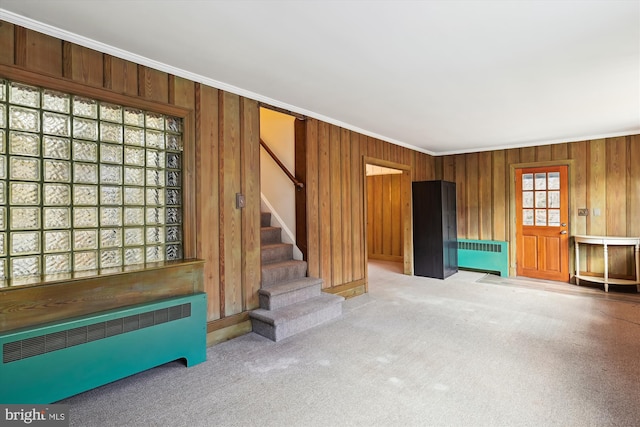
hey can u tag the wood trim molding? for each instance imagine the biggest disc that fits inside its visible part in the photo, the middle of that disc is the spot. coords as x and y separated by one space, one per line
25 306
349 290
72 87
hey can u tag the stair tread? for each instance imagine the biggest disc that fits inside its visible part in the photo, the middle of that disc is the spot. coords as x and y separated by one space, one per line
294 311
291 285
275 245
283 264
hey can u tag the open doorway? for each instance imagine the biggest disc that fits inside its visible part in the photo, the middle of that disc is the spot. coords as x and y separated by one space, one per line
388 213
277 162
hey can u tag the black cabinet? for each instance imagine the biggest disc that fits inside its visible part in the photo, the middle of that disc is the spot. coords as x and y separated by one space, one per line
435 232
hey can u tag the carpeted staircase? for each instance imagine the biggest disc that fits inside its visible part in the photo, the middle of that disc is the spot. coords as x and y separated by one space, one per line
290 302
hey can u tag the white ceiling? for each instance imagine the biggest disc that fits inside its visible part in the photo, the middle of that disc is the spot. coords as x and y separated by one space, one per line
440 76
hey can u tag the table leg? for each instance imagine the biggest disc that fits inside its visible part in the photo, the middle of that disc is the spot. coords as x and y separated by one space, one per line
577 263
637 256
606 268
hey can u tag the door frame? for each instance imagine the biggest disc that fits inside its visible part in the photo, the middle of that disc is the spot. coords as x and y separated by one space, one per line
407 224
573 211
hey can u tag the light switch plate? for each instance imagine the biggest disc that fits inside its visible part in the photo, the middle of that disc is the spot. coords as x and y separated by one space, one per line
596 211
239 201
583 212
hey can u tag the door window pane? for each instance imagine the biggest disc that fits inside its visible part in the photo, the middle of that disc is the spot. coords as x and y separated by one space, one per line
527 181
554 217
541 217
541 181
527 217
527 199
554 180
554 199
541 199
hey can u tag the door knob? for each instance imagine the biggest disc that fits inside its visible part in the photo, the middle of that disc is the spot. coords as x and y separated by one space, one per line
564 224
563 232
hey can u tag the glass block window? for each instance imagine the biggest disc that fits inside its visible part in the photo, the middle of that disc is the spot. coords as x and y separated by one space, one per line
85 185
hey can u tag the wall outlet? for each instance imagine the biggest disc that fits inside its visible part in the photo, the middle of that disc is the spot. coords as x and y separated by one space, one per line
583 212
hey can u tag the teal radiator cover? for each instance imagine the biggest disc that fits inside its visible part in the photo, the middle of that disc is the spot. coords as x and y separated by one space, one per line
485 255
50 362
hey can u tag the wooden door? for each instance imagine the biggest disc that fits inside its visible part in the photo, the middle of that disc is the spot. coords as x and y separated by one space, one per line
542 223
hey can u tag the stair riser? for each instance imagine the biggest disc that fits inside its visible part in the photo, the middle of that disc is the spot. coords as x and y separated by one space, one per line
265 219
283 274
292 327
269 236
275 302
275 254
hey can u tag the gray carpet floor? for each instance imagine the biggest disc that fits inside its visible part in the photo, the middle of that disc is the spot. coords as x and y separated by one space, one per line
472 350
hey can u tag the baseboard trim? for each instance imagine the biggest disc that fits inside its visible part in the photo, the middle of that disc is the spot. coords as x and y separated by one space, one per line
228 328
348 290
381 257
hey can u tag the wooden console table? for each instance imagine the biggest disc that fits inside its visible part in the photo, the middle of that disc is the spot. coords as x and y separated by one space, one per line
606 241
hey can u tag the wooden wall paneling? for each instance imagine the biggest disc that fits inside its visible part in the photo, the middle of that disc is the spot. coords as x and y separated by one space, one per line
184 96
450 166
633 187
324 187
7 43
596 196
250 214
459 177
336 207
386 150
364 147
378 212
387 227
438 168
380 146
396 215
82 65
414 160
528 154
499 204
370 185
371 146
183 92
230 218
418 166
153 84
578 152
429 165
347 224
300 172
120 76
485 190
512 156
357 214
207 201
472 197
560 151
379 150
543 153
38 52
313 171
407 225
616 202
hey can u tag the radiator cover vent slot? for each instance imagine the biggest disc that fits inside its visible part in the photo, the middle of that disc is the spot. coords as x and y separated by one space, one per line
480 247
34 346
